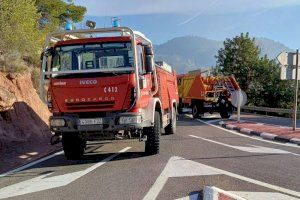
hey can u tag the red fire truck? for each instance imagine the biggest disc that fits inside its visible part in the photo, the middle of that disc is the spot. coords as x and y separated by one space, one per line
103 84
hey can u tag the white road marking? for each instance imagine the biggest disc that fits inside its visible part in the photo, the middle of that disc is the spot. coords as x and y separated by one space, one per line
214 120
253 138
251 149
44 182
31 164
178 166
263 195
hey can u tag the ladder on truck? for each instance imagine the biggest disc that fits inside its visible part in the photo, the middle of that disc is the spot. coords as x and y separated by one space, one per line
229 86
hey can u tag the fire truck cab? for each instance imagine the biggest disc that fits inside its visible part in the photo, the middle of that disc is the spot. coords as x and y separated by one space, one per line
103 84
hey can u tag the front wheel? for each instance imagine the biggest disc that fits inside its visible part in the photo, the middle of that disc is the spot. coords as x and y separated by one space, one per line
153 134
73 145
171 127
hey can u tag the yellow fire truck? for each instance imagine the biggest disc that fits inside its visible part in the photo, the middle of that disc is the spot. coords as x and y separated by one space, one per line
205 93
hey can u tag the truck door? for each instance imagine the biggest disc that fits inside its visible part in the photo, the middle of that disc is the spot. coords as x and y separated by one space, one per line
163 88
144 78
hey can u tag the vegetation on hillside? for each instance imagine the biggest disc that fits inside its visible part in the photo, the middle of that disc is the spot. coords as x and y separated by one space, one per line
24 25
258 76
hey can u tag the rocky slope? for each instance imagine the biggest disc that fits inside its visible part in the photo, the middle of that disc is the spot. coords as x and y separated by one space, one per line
24 133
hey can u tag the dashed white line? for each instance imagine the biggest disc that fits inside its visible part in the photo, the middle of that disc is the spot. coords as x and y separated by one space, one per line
254 138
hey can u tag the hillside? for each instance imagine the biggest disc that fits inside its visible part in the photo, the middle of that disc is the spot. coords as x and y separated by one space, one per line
191 52
24 133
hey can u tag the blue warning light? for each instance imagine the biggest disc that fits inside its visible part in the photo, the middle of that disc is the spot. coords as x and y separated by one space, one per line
116 22
68 26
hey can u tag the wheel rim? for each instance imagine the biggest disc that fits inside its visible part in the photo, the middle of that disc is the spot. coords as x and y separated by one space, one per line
195 110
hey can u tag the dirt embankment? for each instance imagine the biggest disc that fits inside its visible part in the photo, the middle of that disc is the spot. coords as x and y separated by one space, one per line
24 133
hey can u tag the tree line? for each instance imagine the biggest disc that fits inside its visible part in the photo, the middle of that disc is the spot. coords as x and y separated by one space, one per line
24 25
258 76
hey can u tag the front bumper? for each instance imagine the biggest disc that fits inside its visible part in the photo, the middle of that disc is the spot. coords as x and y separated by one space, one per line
109 123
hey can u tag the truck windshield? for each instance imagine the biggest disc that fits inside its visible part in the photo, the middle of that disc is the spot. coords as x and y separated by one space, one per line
92 56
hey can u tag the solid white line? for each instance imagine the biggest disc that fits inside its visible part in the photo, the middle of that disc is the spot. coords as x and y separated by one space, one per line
31 164
157 186
105 160
42 160
181 167
251 149
177 167
214 120
242 135
267 185
263 195
46 181
260 183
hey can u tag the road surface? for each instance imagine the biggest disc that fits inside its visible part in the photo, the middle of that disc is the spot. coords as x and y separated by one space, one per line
198 154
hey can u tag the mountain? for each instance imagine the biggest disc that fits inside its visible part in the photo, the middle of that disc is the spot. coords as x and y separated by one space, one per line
271 48
193 52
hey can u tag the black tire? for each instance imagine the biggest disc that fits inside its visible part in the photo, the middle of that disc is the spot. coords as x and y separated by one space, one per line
73 145
171 128
196 110
153 134
225 108
180 110
224 114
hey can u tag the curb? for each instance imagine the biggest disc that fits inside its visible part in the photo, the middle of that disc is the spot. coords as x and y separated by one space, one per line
264 135
214 193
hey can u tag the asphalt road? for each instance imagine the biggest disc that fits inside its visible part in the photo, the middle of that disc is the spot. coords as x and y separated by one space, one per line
198 154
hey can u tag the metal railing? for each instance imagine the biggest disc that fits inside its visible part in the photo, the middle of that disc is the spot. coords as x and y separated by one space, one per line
269 110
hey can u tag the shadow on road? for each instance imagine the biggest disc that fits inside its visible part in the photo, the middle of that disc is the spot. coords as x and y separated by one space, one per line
184 120
92 155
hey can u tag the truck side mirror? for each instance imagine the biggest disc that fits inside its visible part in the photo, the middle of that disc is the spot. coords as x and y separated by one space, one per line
148 50
149 63
41 64
149 58
46 53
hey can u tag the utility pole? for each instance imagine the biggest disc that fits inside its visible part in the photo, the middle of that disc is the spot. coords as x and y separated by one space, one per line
296 94
239 105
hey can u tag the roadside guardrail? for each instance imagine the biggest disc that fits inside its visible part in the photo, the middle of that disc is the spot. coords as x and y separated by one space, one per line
266 110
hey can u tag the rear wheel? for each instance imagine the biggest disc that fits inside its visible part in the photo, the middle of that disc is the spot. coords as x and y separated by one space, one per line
224 114
196 110
180 107
171 128
153 134
180 110
73 145
225 108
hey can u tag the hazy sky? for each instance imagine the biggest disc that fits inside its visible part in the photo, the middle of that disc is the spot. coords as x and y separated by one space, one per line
162 20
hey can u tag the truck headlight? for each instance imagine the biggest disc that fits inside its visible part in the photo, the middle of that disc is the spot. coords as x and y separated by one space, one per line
130 120
57 122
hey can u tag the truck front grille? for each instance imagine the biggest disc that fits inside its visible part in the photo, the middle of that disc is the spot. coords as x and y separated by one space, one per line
90 105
